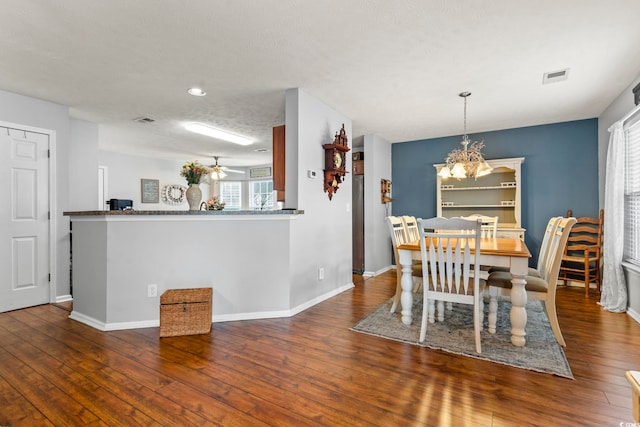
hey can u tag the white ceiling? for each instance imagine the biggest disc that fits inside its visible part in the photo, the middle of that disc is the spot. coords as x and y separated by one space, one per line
394 67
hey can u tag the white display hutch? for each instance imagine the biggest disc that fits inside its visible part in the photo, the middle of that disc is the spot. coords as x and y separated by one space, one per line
497 194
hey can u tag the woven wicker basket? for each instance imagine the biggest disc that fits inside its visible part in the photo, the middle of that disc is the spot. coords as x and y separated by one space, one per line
185 312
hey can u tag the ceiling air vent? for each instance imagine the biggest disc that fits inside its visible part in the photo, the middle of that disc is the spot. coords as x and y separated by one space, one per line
144 120
555 76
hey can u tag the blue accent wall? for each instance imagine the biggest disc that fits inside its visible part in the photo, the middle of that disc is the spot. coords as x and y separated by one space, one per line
560 172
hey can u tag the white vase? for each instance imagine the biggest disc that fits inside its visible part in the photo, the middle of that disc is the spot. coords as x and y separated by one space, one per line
194 197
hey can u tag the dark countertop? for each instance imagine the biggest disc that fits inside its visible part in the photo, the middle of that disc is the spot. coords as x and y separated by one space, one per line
185 212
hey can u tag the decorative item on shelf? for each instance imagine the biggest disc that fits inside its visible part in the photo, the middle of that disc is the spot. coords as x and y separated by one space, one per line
334 162
194 173
174 194
214 204
466 162
385 190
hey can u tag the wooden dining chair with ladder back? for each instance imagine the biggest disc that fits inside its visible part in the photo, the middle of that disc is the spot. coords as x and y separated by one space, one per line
581 260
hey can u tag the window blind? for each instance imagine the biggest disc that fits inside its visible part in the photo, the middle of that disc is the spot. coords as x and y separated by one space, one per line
632 193
261 194
231 195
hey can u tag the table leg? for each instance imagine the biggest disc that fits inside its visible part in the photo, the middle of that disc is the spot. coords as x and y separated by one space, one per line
406 299
518 313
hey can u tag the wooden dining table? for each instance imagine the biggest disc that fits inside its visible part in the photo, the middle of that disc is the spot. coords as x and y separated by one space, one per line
498 251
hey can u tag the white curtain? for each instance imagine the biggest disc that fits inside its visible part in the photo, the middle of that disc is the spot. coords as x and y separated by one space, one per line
614 287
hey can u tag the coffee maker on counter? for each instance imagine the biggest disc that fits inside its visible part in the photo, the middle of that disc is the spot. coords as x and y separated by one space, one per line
120 204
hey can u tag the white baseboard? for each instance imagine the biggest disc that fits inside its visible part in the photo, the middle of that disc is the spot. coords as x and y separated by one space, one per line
634 314
117 326
63 298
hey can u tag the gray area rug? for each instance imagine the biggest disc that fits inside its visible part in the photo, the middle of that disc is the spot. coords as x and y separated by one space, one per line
455 335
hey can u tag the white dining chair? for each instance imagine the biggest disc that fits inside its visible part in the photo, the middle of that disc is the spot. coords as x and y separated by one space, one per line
489 224
398 237
450 269
544 249
541 288
411 228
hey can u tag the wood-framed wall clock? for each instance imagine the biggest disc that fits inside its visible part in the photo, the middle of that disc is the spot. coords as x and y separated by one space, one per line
335 156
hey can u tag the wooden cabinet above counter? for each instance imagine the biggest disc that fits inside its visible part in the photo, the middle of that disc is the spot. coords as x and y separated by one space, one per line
279 163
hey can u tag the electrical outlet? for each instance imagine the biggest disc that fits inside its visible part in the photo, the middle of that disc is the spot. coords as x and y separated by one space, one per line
152 290
321 273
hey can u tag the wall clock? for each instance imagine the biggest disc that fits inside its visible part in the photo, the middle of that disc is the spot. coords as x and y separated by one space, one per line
334 162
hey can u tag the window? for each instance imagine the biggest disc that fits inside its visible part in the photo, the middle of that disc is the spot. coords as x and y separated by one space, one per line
261 194
632 193
231 195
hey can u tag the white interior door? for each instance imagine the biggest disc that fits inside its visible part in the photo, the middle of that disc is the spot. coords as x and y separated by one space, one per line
24 219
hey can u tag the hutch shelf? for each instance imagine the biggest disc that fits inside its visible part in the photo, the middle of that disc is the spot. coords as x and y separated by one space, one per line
497 194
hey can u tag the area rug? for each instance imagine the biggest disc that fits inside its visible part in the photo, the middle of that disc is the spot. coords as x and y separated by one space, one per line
455 335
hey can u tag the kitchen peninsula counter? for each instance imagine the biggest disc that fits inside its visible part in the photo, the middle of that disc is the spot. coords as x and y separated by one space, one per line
182 213
118 257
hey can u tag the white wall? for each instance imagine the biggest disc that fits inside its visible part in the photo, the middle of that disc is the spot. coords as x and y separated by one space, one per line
321 238
83 161
22 110
125 173
377 166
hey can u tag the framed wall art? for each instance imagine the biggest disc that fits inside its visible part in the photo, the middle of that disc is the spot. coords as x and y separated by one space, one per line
150 189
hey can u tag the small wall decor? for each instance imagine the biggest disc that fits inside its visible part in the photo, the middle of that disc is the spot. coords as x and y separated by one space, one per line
150 189
335 162
264 172
174 194
385 190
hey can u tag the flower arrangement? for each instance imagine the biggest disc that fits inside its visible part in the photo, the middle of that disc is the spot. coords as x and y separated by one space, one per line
193 172
214 204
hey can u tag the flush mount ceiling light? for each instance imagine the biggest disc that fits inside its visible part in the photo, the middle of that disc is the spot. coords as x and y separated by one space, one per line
217 133
467 161
196 91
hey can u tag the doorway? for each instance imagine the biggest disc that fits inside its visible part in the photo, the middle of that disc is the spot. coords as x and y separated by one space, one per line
25 224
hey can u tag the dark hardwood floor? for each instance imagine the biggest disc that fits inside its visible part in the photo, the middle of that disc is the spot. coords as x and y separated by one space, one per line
305 370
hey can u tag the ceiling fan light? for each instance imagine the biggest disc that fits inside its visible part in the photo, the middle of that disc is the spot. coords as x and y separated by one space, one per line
218 175
217 133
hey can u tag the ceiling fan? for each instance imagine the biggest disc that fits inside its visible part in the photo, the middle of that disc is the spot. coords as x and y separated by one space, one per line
219 172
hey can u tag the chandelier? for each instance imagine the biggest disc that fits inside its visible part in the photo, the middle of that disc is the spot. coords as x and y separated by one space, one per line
466 162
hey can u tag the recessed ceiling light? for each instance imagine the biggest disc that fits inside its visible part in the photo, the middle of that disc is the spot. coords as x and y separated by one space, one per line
217 133
196 91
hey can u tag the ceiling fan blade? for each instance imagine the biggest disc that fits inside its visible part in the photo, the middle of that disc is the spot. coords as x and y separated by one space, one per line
231 170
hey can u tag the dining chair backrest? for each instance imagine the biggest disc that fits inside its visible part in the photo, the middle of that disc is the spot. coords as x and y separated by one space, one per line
446 249
543 255
396 230
411 228
557 244
489 224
